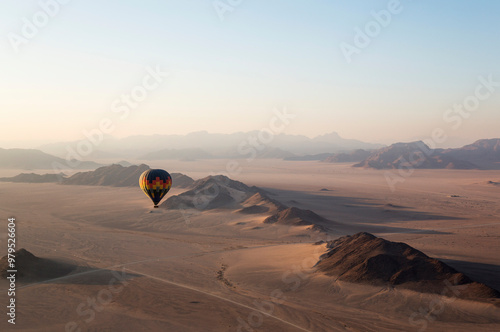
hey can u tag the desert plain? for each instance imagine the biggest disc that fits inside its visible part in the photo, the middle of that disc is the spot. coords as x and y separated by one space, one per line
135 268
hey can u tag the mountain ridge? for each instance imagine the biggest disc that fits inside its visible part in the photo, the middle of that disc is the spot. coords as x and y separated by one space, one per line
220 145
36 159
482 154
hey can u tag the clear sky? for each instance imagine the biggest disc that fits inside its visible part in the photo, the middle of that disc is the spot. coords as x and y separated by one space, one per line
228 75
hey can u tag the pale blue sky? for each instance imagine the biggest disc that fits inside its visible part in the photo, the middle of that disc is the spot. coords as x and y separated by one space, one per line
227 76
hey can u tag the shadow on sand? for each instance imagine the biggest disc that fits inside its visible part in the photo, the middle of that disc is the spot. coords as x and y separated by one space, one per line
359 213
51 271
488 274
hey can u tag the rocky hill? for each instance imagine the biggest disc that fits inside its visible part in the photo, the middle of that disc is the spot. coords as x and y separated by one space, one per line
119 176
34 178
365 258
32 268
220 192
211 192
484 153
261 203
415 155
294 216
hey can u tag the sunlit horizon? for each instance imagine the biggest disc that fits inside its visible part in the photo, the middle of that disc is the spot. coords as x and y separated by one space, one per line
227 72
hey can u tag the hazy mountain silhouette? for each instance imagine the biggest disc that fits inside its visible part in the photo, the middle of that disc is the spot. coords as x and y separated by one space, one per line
485 153
311 157
216 145
36 159
190 154
351 157
124 163
34 178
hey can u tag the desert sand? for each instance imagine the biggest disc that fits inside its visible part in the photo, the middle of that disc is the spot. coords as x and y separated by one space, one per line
142 269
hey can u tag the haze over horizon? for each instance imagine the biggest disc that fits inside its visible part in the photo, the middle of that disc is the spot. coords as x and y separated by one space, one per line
451 142
227 75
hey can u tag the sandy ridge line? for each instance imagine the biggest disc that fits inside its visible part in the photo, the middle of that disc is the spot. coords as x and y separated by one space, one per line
152 260
178 284
218 297
221 251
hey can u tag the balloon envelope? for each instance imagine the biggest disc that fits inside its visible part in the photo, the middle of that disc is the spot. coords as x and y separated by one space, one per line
155 183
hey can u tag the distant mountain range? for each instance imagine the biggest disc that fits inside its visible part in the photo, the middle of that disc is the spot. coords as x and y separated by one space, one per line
351 157
34 178
482 154
340 157
179 154
204 145
311 157
36 159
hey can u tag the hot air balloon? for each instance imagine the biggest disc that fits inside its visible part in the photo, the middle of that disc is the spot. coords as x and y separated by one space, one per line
155 183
